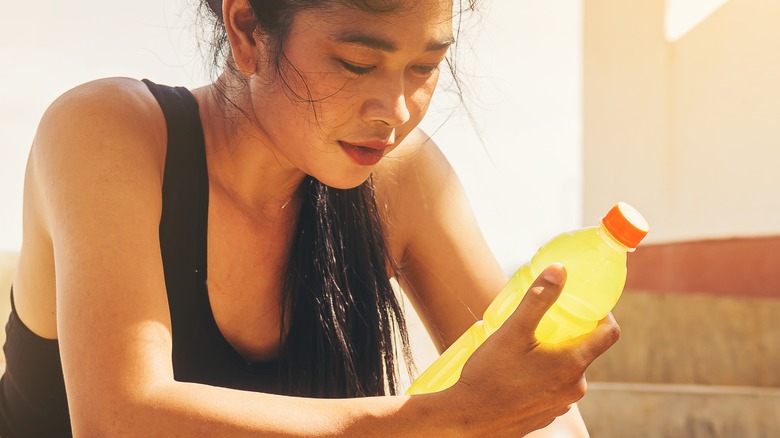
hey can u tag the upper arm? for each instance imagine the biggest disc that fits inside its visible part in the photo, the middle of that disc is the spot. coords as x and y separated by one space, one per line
97 160
449 272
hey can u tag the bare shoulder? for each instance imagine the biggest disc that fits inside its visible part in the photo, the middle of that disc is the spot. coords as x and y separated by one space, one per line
96 113
416 168
98 143
104 98
410 184
109 124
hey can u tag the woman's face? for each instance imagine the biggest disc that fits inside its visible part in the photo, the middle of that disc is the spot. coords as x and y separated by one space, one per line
360 83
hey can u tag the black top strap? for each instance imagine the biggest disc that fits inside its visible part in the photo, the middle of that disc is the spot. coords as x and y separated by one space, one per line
200 352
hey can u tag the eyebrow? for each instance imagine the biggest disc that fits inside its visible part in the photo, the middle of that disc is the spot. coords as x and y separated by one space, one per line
376 43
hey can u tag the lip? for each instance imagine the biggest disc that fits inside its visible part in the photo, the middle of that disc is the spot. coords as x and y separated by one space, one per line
365 153
373 144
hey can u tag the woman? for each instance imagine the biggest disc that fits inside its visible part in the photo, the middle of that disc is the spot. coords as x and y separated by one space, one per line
217 263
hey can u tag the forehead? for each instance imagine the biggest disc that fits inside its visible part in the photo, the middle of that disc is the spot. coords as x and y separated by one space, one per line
424 22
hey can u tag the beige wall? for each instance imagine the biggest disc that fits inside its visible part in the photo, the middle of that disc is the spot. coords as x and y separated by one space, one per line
687 131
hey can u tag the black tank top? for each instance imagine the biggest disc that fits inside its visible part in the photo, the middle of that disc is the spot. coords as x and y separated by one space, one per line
32 392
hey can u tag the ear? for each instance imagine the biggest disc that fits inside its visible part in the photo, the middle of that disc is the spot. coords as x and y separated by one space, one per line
240 27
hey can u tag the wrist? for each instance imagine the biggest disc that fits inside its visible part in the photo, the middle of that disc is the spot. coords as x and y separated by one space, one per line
439 414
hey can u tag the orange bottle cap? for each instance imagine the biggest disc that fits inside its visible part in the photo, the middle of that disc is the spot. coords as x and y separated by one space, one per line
625 224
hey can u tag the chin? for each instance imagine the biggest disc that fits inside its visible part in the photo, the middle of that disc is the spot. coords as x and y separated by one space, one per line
343 182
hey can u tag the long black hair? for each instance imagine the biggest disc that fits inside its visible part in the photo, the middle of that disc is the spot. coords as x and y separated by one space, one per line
341 318
343 311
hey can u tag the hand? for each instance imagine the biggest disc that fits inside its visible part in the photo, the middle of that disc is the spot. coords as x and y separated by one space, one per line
513 384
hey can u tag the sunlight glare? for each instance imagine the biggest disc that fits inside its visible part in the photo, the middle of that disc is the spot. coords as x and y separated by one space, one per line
684 15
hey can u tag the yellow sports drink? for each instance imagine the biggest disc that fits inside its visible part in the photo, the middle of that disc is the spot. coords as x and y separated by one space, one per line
595 262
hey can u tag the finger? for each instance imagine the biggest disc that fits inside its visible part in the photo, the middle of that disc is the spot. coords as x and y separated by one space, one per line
539 298
595 343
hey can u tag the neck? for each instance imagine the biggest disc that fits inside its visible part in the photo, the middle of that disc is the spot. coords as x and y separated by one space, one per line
242 164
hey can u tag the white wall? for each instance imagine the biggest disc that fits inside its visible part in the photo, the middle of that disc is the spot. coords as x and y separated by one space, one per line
48 47
520 65
523 79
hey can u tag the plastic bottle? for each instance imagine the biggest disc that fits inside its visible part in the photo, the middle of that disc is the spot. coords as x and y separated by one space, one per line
595 262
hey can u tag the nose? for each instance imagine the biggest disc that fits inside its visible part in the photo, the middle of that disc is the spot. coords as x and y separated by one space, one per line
388 106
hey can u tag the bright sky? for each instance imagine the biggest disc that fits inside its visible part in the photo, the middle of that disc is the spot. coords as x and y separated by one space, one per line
521 68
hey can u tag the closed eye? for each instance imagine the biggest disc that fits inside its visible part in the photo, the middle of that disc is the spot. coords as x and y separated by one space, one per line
426 69
355 69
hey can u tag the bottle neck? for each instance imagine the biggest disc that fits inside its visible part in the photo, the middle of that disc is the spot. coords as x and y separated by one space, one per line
611 241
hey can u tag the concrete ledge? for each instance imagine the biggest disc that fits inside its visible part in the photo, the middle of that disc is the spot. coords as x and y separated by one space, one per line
658 410
673 338
711 390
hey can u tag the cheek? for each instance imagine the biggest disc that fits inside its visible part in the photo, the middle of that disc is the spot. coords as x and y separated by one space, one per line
326 100
421 99
310 112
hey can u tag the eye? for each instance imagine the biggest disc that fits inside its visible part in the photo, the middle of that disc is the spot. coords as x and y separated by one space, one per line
426 69
355 69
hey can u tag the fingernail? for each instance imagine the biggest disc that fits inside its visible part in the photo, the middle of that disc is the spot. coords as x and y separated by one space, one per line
553 274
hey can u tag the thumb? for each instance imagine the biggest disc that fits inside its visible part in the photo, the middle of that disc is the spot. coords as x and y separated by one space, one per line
535 303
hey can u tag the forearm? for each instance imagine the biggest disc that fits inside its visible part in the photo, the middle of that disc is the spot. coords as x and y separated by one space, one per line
173 409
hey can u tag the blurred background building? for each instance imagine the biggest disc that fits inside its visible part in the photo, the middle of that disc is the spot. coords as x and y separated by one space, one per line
684 125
